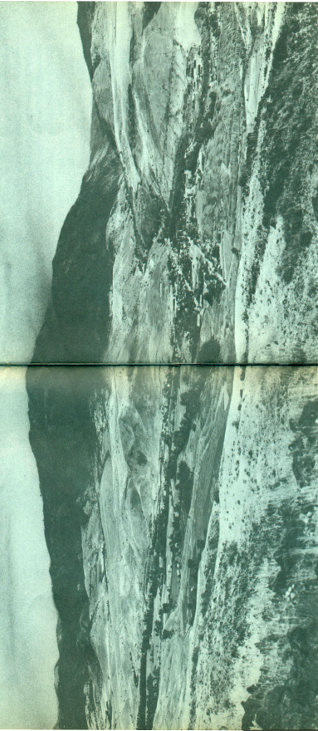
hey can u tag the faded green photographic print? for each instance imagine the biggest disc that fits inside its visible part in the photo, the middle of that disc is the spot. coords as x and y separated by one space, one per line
159 365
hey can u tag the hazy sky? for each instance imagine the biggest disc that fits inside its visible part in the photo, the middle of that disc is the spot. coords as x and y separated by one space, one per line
45 105
44 145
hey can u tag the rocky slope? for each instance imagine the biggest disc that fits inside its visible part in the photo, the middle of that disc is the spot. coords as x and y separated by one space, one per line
179 501
194 236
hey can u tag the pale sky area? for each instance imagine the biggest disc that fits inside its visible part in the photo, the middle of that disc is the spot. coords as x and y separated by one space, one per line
45 102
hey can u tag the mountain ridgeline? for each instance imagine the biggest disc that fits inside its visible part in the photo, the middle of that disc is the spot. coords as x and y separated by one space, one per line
179 500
